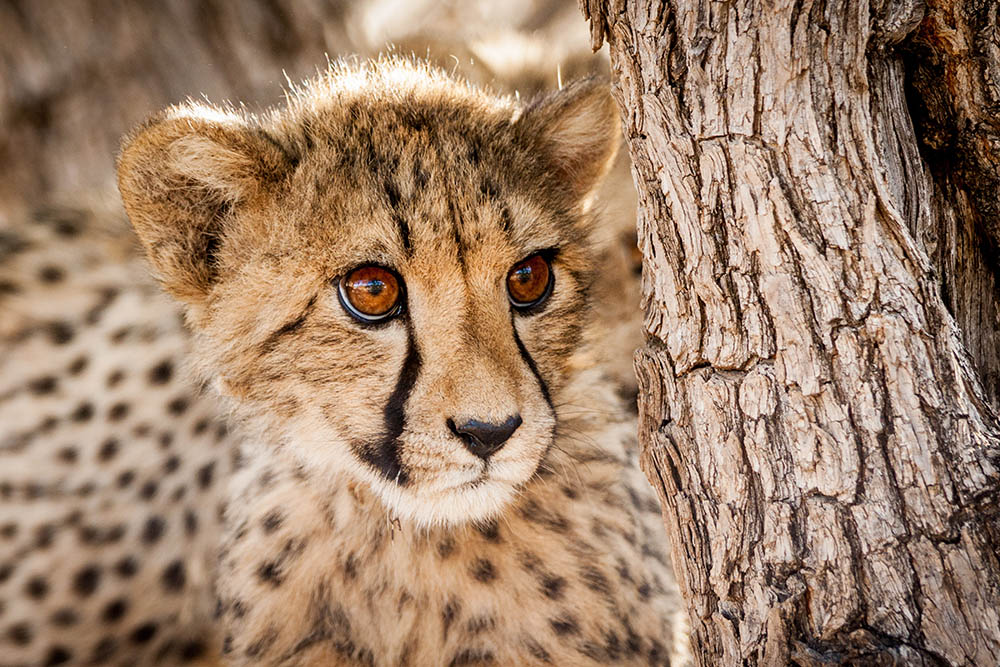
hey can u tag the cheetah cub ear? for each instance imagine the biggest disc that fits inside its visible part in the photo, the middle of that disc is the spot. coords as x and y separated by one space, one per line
578 126
180 175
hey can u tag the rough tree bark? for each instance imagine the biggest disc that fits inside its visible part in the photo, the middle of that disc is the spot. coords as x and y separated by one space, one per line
821 297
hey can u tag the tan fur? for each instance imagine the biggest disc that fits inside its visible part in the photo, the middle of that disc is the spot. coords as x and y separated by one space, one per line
390 158
552 553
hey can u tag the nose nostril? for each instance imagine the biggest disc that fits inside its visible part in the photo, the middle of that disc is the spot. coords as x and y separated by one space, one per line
484 438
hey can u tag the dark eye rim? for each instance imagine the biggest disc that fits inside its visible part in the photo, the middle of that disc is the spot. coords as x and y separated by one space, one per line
532 307
364 318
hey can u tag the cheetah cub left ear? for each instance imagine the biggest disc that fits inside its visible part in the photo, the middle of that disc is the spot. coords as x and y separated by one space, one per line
181 174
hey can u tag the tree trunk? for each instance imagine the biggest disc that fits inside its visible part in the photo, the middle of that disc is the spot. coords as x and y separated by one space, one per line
821 308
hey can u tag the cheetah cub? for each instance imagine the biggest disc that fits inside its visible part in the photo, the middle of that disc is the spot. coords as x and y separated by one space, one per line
391 282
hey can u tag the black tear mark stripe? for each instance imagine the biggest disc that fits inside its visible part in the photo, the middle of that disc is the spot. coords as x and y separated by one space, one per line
534 369
384 456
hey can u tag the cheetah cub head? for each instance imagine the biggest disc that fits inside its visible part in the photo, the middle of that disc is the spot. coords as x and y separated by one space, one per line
392 272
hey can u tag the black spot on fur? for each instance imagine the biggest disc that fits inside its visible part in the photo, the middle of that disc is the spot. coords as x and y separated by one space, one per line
44 536
269 572
65 617
472 656
483 571
60 333
205 475
77 365
595 580
119 335
118 411
161 372
86 580
114 610
564 624
142 634
153 530
127 567
490 530
20 634
174 577
51 274
192 650
83 412
262 644
489 189
43 385
36 588
536 650
57 655
553 587
592 651
103 650
547 518
612 645
448 616
109 449
445 548
480 624
350 567
11 244
272 521
171 464
115 378
178 406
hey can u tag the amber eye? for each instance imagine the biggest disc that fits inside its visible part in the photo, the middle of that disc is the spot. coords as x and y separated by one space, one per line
371 293
529 282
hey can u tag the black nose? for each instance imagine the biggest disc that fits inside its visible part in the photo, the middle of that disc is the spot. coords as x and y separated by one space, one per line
484 438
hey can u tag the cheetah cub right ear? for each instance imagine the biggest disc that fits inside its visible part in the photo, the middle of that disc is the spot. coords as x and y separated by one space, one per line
579 127
180 175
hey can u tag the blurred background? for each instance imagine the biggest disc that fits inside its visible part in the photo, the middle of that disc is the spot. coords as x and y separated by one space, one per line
77 74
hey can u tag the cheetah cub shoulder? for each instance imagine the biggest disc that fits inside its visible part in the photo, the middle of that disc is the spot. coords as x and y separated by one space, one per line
391 280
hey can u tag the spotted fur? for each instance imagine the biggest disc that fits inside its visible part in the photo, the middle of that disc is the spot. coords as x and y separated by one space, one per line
282 476
110 455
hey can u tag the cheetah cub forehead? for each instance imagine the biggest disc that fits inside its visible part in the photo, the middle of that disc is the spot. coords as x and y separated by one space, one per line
389 275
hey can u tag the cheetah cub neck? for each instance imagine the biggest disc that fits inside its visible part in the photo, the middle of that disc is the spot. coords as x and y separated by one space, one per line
389 277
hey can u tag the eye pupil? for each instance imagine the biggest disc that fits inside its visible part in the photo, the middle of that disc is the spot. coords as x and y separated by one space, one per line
529 282
370 293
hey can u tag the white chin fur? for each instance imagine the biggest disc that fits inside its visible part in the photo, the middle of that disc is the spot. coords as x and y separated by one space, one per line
482 501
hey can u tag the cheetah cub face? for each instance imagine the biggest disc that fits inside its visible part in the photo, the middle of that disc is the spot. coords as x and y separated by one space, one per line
389 276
